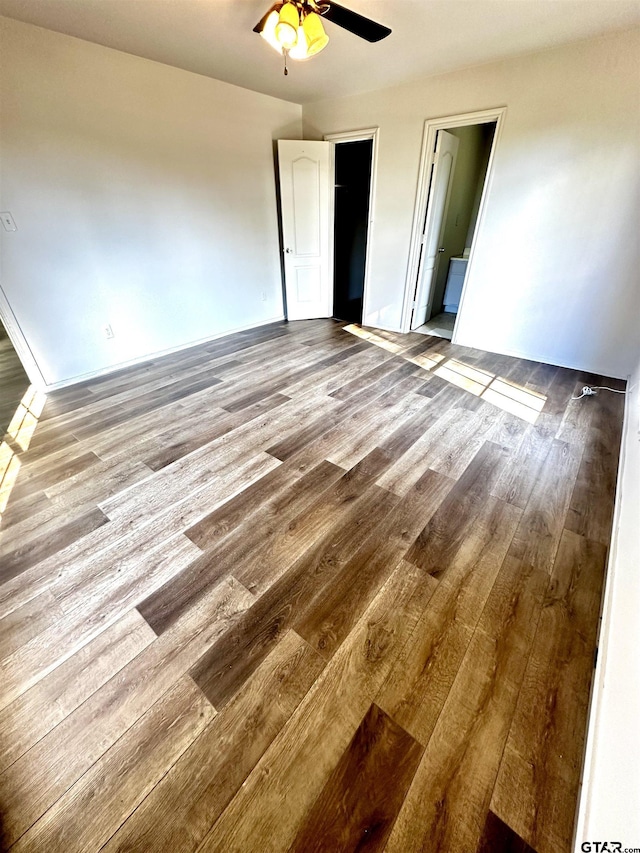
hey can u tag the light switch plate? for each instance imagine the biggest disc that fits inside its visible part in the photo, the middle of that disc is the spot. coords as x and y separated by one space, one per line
8 221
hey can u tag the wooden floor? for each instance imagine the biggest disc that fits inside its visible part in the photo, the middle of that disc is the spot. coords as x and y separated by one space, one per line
305 588
13 381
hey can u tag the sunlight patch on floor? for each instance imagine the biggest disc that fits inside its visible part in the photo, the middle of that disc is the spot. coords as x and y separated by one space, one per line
428 360
25 420
9 467
19 434
497 390
373 338
464 376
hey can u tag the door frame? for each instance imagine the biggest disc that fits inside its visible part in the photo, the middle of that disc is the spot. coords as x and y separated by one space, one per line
431 128
360 136
20 344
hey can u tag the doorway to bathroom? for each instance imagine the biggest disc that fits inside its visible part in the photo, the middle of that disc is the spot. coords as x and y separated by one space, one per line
456 163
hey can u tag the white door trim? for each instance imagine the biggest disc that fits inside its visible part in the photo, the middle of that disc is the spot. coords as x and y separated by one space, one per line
20 344
431 128
360 136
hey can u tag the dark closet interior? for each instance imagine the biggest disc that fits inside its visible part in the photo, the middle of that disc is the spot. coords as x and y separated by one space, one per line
353 188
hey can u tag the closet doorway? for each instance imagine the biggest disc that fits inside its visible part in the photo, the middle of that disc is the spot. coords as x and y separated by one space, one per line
326 198
354 170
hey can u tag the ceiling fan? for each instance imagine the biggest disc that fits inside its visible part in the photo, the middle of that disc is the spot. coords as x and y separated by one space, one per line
294 27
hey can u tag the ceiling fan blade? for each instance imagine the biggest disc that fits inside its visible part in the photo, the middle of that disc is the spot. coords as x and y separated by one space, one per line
355 23
260 25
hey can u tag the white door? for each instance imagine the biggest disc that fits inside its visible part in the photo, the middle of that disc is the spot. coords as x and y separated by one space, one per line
306 193
444 164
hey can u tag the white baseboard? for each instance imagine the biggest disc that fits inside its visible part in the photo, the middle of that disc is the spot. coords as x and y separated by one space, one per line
75 380
601 739
528 356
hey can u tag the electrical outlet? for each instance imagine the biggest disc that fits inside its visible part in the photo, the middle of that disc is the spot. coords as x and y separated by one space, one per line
8 221
108 331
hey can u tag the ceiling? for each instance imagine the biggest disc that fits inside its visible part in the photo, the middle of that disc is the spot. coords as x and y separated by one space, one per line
215 38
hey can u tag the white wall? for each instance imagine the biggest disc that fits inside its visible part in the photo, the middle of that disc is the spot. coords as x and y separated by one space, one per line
611 788
555 274
144 197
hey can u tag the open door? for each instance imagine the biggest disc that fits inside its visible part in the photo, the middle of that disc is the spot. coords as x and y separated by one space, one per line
306 197
444 164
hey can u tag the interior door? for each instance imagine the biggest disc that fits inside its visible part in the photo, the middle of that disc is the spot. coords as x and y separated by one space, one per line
306 197
444 164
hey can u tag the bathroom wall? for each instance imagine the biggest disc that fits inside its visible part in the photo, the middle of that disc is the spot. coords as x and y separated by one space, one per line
488 133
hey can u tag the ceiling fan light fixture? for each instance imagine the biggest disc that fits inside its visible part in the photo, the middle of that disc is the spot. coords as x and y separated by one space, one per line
268 32
300 50
316 37
295 29
286 30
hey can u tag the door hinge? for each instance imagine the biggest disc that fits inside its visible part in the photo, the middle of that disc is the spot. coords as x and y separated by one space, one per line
436 154
595 657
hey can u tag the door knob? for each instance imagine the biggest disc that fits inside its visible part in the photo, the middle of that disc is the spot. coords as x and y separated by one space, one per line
288 251
441 250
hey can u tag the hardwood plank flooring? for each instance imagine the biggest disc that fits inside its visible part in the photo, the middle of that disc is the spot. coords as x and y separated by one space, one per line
272 804
14 380
356 809
553 701
307 587
498 836
114 786
182 808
